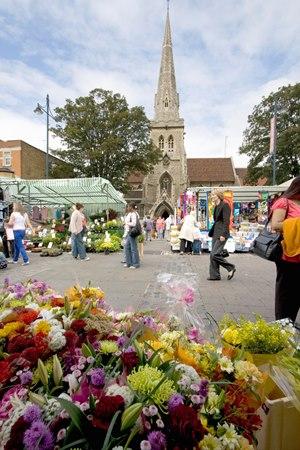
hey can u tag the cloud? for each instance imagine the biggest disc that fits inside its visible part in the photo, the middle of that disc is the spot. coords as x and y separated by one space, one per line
227 56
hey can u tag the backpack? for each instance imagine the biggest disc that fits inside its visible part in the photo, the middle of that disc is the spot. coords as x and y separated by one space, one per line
3 262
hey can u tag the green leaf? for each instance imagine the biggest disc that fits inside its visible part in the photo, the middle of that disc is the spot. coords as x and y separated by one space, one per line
77 416
109 431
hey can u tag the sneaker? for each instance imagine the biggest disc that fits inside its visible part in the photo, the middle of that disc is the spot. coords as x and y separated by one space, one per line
25 263
15 262
132 267
86 259
125 265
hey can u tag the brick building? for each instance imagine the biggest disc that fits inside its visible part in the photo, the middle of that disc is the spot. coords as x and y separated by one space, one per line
24 160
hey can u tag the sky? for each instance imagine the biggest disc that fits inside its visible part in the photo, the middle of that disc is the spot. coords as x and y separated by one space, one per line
227 54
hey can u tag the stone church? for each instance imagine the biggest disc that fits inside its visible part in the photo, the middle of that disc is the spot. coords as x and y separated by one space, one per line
158 192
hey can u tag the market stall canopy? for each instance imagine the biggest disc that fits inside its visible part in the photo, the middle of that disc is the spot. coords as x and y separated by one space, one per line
95 193
240 193
286 184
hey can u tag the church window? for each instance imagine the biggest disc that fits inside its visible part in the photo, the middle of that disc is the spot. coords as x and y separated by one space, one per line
171 143
166 102
161 142
166 184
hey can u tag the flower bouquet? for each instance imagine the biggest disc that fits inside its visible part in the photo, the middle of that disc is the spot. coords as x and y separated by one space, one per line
262 340
76 375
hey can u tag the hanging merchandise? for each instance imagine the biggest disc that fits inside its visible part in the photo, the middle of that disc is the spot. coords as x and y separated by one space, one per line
228 198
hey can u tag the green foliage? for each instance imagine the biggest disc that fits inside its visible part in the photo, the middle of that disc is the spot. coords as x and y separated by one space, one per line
106 138
56 240
257 136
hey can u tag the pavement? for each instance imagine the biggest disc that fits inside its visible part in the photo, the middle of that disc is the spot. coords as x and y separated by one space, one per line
250 292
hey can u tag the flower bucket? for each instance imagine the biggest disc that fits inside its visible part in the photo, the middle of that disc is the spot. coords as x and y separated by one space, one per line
141 249
280 429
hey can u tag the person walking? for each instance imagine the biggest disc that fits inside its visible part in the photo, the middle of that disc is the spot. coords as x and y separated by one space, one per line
160 227
219 233
286 219
19 221
168 223
148 226
77 229
186 234
131 250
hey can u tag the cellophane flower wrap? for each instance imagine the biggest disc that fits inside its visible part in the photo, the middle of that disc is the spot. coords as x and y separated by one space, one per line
76 374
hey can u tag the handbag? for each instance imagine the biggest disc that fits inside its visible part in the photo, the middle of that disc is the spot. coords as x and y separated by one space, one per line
136 230
267 245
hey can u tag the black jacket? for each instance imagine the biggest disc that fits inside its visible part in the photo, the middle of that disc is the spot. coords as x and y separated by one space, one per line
222 221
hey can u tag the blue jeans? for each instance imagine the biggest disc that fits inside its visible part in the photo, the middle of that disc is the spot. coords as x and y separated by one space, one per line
19 246
131 250
78 248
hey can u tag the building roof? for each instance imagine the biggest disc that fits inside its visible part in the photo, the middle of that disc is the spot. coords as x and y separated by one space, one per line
203 170
96 191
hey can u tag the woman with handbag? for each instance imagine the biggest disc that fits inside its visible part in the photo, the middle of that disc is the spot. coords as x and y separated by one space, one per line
133 230
285 219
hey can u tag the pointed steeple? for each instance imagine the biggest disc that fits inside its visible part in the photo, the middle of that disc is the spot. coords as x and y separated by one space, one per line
167 98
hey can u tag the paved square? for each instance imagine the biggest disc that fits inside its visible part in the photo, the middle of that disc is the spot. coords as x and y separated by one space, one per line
250 292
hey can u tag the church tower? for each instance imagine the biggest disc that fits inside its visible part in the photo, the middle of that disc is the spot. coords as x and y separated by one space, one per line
169 178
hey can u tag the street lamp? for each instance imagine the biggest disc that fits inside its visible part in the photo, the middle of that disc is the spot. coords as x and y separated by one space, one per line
41 110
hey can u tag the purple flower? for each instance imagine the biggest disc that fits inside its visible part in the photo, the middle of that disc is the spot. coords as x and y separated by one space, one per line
26 377
195 336
175 400
38 437
157 440
97 377
203 391
149 322
121 341
32 413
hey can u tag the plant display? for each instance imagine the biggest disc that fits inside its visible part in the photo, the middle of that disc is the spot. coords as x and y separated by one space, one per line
75 374
256 337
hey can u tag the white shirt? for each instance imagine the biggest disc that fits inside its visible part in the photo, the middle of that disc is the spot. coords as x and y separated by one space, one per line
130 221
20 221
9 234
168 223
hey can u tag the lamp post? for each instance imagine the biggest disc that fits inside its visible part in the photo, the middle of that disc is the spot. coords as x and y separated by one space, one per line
40 110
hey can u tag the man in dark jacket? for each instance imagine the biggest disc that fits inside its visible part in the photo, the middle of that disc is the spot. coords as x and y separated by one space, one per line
219 233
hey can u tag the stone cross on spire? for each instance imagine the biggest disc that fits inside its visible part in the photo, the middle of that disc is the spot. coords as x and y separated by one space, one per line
167 99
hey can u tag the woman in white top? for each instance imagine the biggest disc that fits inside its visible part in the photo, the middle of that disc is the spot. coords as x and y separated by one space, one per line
19 221
186 234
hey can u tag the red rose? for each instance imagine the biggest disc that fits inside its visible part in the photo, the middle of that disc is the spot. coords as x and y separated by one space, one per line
78 325
105 410
130 360
72 339
19 343
92 335
31 355
186 428
5 372
16 435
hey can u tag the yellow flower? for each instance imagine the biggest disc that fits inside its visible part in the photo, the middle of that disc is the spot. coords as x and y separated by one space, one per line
75 303
166 354
185 356
10 328
232 336
42 326
108 347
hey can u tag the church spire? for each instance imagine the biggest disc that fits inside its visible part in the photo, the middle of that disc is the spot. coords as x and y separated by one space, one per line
166 98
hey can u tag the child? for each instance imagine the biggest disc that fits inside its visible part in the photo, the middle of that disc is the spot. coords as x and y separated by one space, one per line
10 239
197 241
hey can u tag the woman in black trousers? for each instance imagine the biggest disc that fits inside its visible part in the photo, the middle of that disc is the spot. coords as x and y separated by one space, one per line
219 233
287 289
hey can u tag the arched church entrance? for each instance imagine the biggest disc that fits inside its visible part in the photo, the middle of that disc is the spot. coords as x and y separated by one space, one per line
163 210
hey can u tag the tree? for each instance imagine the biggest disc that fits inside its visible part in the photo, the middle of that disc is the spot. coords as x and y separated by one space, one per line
256 143
106 138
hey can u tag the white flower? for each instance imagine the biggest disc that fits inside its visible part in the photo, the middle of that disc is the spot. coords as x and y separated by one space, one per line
67 322
226 364
189 372
56 340
210 442
230 437
124 391
213 402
